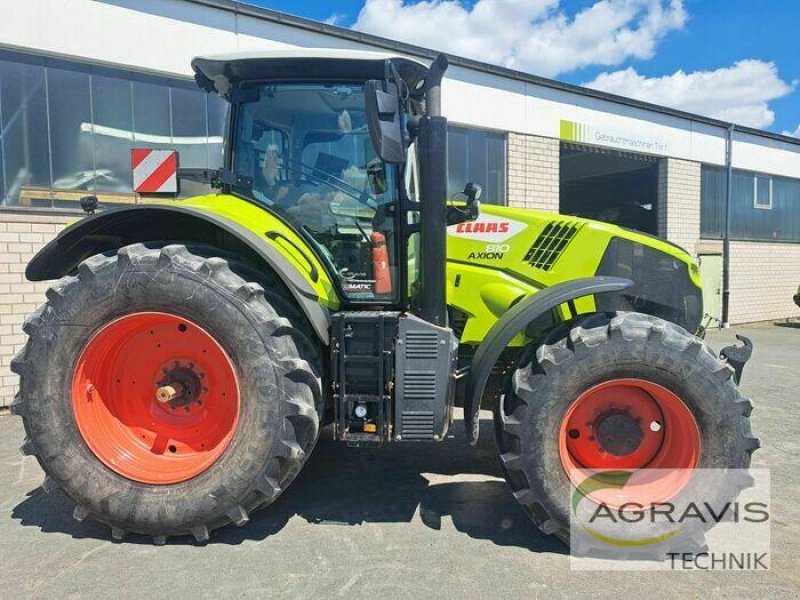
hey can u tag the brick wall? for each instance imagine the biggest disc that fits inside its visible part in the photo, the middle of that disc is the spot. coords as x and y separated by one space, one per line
679 202
533 172
21 236
764 277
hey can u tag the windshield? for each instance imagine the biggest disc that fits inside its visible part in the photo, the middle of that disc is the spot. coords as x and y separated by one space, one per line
307 149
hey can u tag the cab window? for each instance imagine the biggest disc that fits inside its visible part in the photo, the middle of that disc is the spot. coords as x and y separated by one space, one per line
307 149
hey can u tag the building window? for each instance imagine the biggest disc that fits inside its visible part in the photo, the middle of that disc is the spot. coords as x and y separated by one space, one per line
479 156
67 128
762 192
763 207
71 149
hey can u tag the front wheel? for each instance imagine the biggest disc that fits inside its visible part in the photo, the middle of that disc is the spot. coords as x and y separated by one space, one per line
616 394
166 392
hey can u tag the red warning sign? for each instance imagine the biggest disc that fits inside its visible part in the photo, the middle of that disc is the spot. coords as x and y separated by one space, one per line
155 171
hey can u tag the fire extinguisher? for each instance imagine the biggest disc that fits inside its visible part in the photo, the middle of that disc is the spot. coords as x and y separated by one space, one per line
380 264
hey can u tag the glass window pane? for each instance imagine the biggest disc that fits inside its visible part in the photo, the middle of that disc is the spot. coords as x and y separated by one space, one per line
2 174
458 163
188 113
712 201
476 154
113 133
496 177
24 128
217 117
311 160
763 191
151 118
71 140
189 127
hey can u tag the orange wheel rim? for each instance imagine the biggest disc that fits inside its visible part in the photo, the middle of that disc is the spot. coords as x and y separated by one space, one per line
631 425
155 397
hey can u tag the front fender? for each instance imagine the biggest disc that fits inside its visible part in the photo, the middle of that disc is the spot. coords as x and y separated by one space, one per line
115 228
515 321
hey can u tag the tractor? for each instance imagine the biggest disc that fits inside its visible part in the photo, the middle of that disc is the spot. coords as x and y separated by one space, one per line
189 351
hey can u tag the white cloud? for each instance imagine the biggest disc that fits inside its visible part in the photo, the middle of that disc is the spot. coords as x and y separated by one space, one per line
530 35
335 19
795 133
740 93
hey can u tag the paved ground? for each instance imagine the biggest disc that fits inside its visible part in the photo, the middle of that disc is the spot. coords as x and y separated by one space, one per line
398 522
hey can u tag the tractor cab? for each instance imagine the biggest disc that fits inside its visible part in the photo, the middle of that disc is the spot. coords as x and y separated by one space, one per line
302 145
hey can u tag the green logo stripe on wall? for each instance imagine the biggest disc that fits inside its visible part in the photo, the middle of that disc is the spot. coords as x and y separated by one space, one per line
572 131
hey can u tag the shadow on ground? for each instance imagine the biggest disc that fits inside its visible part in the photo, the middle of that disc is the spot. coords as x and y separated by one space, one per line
350 486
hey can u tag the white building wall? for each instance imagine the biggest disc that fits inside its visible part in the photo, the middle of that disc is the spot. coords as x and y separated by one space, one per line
679 202
764 279
21 236
533 165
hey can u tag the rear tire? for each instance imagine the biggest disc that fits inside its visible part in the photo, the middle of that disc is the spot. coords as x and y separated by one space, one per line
277 372
577 357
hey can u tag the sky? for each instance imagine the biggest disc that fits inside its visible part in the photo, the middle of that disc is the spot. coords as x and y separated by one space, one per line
735 60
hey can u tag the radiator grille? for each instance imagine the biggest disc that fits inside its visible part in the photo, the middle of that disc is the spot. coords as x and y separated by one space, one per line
551 243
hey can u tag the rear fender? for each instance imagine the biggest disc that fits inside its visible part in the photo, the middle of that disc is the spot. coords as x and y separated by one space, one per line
514 322
115 228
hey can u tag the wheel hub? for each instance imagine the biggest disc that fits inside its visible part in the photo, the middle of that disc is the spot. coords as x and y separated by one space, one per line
180 386
619 434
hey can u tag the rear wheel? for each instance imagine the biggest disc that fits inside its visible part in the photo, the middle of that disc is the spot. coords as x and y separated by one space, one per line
165 393
621 393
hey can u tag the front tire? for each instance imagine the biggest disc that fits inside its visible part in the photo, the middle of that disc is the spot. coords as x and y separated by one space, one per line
238 421
644 362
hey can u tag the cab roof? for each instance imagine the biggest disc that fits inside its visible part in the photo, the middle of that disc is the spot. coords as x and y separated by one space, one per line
219 74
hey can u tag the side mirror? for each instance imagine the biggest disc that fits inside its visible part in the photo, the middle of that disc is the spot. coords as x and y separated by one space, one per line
473 193
89 204
376 176
471 211
383 120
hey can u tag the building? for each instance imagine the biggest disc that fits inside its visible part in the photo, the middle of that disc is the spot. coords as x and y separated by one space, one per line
82 82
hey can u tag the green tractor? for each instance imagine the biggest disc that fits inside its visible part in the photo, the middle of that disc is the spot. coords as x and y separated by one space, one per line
178 375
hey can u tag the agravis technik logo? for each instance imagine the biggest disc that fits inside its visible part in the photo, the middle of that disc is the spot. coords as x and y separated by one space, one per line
719 521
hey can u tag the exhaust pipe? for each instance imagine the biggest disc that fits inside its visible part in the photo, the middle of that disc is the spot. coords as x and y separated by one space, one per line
433 189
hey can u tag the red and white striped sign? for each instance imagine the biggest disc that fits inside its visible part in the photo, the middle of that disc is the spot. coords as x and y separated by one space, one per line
155 171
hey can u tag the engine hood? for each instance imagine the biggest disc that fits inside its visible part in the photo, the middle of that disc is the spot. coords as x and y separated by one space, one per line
541 248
